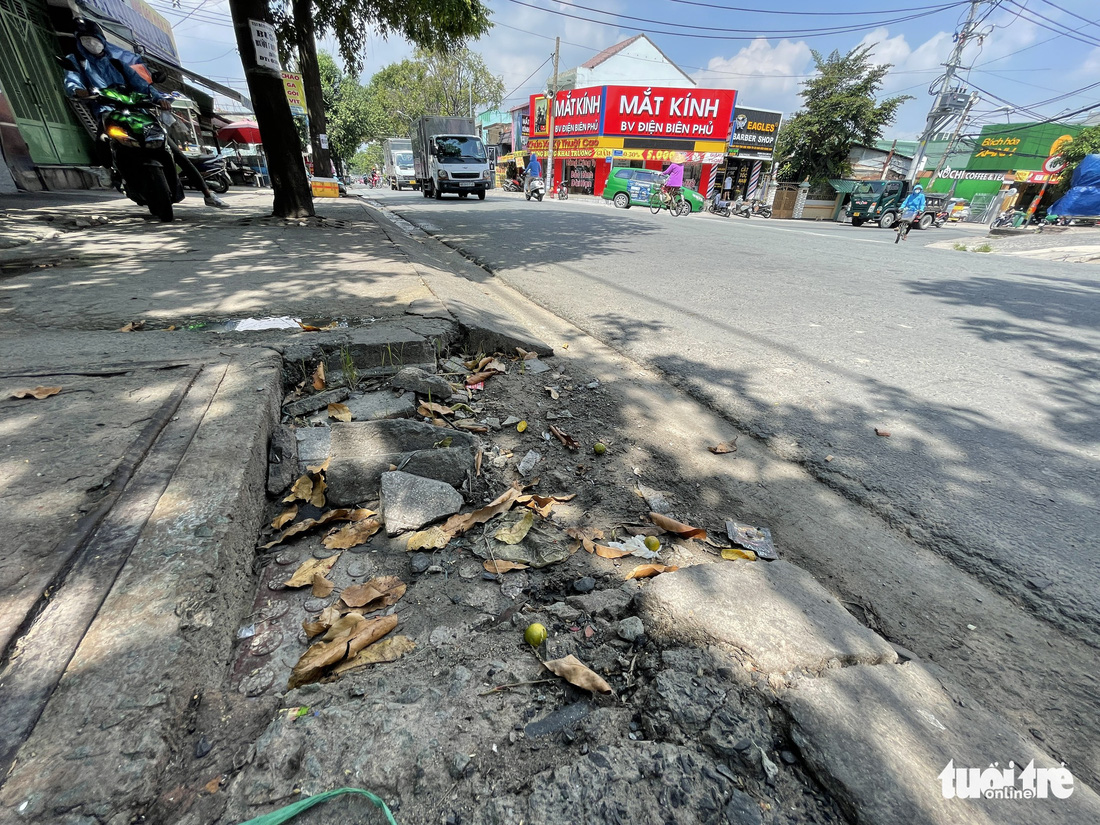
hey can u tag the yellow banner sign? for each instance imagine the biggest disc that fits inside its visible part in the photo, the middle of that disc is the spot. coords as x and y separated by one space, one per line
295 93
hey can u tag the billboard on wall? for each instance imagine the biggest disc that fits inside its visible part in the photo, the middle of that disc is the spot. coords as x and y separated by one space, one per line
636 111
753 132
1027 146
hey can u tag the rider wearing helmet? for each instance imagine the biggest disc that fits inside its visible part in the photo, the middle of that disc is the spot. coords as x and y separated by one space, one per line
911 209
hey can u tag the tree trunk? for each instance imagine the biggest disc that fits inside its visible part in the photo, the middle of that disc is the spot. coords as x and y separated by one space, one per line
293 198
311 80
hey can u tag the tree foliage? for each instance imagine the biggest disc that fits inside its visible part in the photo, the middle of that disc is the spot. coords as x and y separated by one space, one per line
1087 142
839 111
366 159
432 83
346 109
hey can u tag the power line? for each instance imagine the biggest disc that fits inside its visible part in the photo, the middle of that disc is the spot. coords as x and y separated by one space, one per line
804 13
1071 14
522 82
1054 25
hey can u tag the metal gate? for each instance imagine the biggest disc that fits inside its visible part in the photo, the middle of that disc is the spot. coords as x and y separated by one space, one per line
32 79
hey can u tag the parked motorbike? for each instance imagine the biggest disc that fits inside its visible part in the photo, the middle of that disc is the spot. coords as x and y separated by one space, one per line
742 208
140 150
563 192
718 206
536 189
214 171
939 219
760 209
512 185
240 174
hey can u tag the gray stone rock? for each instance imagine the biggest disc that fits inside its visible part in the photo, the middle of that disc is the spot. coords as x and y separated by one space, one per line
362 451
560 719
409 502
535 366
376 406
419 562
423 383
457 765
608 604
313 446
879 737
742 809
775 612
585 584
560 610
630 628
282 466
312 403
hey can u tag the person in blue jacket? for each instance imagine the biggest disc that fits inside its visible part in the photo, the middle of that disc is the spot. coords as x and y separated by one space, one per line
97 65
533 170
911 210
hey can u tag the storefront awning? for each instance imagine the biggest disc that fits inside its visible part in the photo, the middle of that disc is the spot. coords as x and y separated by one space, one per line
844 187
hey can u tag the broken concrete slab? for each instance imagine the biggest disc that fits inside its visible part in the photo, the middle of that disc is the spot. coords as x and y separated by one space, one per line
607 604
376 406
881 737
410 502
423 383
312 403
282 454
362 451
773 611
313 446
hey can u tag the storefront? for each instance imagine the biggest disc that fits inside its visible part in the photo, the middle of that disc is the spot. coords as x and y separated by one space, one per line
749 153
603 127
1022 160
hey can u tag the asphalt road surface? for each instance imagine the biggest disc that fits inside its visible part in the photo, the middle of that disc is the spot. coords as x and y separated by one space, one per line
983 369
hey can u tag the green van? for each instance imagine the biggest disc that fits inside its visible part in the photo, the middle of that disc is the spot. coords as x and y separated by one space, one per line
626 187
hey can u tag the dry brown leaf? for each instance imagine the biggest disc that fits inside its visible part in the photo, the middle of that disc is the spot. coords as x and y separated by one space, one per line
343 626
504 566
430 409
321 586
495 365
565 438
883 433
301 489
554 394
329 616
733 553
684 531
478 377
37 392
521 352
645 571
133 326
313 628
317 495
606 552
319 377
724 447
213 785
353 535
572 670
319 468
285 517
515 533
542 501
387 650
305 572
531 356
308 327
374 594
477 463
462 522
434 538
339 412
483 363
350 639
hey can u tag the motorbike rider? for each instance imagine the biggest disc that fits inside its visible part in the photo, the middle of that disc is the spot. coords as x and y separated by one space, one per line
912 205
532 172
96 65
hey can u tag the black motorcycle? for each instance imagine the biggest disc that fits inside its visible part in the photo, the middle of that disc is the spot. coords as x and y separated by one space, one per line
214 170
240 174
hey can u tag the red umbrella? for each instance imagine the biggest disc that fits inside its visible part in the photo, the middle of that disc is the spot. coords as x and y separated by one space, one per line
242 131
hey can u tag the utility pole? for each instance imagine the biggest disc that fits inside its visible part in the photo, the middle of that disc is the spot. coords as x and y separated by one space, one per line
954 137
260 59
951 98
550 144
311 81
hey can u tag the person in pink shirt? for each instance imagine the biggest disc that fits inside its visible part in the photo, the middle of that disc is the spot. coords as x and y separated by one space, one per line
674 178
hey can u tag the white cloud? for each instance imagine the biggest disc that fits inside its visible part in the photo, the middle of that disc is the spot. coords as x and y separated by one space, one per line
764 75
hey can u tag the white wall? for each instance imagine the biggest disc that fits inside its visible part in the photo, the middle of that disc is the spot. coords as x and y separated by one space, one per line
639 64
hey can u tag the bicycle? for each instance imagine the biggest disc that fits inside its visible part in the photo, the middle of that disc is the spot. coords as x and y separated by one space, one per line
905 221
673 202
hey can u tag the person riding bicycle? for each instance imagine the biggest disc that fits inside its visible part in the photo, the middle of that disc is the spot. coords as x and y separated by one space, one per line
97 65
674 179
532 172
911 209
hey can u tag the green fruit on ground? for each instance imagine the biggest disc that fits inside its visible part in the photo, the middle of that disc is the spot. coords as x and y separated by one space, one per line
653 543
599 448
535 634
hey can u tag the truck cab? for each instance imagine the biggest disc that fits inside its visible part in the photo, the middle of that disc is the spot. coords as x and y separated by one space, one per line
880 201
449 159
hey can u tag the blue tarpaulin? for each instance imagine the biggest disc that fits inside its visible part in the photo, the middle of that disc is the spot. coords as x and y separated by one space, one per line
1083 197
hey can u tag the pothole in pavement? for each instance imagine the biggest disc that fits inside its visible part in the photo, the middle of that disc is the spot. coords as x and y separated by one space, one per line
414 678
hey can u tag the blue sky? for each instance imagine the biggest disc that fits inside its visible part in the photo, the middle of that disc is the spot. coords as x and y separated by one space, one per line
1031 51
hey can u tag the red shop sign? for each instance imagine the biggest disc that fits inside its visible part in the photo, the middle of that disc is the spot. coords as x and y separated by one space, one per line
684 114
576 112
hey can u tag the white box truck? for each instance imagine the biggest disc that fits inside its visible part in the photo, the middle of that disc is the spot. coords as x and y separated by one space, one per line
397 163
448 156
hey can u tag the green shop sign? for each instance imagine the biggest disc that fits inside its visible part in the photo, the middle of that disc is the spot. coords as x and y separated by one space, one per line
1026 146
